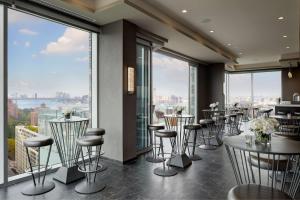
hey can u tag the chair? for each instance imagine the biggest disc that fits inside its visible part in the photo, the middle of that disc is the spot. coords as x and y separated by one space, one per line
265 112
89 166
263 175
151 129
208 135
192 128
97 132
38 187
169 134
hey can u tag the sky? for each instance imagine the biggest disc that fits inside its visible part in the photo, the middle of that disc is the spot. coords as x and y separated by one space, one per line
45 57
170 76
266 84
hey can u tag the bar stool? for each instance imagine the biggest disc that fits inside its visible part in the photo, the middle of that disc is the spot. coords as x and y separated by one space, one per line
89 166
38 187
97 132
219 128
162 171
151 129
190 128
208 124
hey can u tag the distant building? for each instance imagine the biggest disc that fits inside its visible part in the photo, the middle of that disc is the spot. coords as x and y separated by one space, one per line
34 118
21 160
12 109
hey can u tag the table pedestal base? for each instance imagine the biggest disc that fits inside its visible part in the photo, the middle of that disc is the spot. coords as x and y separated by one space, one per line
180 160
68 175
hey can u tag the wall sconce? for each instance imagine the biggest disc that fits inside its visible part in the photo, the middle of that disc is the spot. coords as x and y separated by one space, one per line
130 80
290 75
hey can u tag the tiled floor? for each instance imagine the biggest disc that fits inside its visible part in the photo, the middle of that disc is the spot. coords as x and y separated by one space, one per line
209 178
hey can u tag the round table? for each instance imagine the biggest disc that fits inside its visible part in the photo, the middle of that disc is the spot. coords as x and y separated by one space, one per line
65 132
268 166
176 123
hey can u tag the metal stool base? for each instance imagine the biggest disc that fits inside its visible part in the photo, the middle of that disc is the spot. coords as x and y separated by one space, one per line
32 190
154 160
165 173
68 175
195 157
102 167
207 147
89 187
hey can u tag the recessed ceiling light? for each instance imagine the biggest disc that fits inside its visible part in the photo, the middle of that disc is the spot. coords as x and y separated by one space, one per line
241 53
228 44
287 47
184 11
280 18
212 31
285 36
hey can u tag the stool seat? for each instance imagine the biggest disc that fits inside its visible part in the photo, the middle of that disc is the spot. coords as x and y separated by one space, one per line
206 121
154 127
95 131
192 126
164 133
38 141
253 191
90 141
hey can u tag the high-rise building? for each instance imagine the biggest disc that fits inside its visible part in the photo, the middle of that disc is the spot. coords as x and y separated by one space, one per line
34 118
21 134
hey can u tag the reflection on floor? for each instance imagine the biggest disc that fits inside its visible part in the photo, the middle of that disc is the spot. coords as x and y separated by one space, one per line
209 178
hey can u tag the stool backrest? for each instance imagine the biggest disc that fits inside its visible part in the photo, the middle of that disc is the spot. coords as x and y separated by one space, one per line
278 171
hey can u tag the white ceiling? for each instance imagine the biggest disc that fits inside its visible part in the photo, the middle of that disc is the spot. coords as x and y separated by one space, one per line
251 26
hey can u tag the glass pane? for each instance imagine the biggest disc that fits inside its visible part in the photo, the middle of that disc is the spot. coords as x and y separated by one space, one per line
193 91
266 88
170 85
2 95
143 96
49 71
240 88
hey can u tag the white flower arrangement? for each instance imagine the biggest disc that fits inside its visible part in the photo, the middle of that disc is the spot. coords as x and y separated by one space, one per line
214 105
263 127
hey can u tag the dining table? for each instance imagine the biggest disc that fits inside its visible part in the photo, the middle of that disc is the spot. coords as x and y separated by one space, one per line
176 123
264 168
65 132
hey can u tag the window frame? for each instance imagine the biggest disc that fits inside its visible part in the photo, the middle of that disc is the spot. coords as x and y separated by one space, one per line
94 81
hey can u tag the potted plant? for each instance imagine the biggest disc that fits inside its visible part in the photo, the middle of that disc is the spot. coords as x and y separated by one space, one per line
263 128
67 113
179 110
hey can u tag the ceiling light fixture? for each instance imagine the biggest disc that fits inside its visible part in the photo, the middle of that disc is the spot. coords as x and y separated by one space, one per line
212 31
241 53
287 47
229 44
285 36
280 18
184 11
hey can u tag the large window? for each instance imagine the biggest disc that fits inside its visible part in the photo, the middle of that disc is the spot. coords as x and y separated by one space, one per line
171 90
255 88
49 71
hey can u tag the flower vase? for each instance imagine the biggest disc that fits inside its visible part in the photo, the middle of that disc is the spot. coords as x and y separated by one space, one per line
262 138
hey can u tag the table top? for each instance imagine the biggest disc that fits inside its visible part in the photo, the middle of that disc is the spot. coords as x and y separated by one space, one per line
286 117
180 116
209 110
73 119
278 145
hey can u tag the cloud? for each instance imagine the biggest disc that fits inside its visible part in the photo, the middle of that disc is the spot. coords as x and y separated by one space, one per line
33 55
26 31
27 44
73 40
19 17
82 59
15 43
